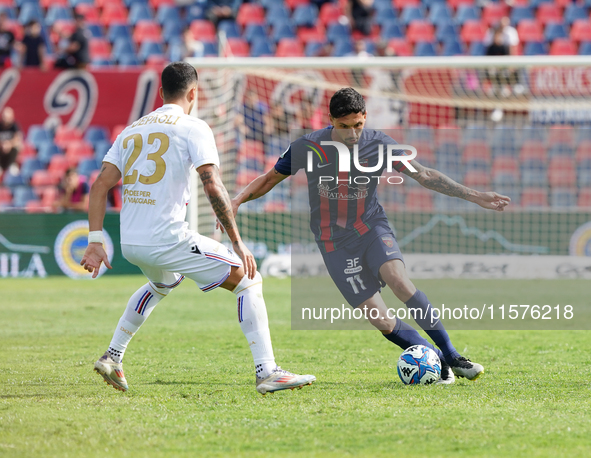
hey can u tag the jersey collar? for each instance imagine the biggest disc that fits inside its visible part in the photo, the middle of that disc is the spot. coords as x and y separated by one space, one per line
176 109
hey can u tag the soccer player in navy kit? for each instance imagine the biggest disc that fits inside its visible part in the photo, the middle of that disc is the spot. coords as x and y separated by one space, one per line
348 222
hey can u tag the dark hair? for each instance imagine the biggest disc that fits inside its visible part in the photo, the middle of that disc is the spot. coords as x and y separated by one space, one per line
346 101
176 79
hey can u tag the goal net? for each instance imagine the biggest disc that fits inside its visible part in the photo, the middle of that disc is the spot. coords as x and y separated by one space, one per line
518 126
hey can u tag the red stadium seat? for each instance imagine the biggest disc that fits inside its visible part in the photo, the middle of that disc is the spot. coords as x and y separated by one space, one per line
492 13
64 135
293 4
533 150
373 35
114 13
563 47
251 149
561 135
447 134
316 33
34 206
505 165
534 197
101 4
245 177
583 151
425 152
47 3
581 30
477 179
90 12
49 195
289 47
158 3
561 172
329 13
58 163
250 13
5 196
420 31
530 30
237 47
42 178
7 3
274 206
157 61
16 28
400 47
27 152
400 4
473 31
147 31
584 199
549 12
99 48
78 150
476 150
203 30
455 3
419 199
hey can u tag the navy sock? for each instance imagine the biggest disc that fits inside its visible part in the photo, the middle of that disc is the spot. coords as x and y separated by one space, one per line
404 335
432 325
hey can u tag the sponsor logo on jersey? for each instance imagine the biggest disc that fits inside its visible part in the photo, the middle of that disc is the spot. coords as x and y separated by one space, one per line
388 241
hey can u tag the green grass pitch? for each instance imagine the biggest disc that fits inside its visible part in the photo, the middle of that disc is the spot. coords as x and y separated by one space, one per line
192 384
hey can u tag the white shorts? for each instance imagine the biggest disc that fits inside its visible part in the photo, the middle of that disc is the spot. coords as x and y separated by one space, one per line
199 258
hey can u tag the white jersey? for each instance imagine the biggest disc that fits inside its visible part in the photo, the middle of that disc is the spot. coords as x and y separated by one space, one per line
155 156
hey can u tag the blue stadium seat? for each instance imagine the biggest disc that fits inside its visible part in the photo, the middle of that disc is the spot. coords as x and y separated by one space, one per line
21 195
210 48
150 48
425 49
140 12
447 31
536 3
46 151
119 31
534 173
343 48
467 13
29 12
337 32
504 144
195 12
583 134
535 48
102 62
313 48
563 198
96 30
37 135
87 166
261 47
128 3
440 12
254 31
554 31
431 3
172 31
100 150
230 28
122 46
412 13
55 13
283 30
12 180
533 134
584 175
128 60
452 48
573 12
585 48
167 13
381 4
29 167
392 29
305 15
95 134
560 150
20 3
477 48
385 15
277 13
518 13
9 11
75 3
475 131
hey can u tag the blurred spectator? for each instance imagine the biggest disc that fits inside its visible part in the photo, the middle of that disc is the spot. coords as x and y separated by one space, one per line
73 192
359 13
308 116
191 47
218 10
509 34
278 121
11 139
32 48
75 54
251 121
497 47
6 41
360 49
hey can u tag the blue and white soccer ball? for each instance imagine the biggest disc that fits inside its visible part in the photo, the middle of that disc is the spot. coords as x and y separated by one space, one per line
419 365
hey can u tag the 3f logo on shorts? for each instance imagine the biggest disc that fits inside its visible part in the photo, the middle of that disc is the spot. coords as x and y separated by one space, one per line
353 266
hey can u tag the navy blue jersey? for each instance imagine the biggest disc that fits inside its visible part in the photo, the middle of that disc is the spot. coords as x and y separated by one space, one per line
343 205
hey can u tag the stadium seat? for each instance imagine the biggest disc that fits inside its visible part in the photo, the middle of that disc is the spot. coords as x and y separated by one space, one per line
505 165
262 47
90 13
555 30
284 30
78 150
290 47
457 3
122 47
343 48
96 30
412 13
100 150
439 13
530 30
561 135
392 29
584 199
585 48
147 31
581 30
425 49
420 31
538 3
12 180
563 46
172 32
95 134
29 167
314 48
30 12
305 15
87 166
140 12
56 12
250 13
584 173
22 195
315 33
27 152
563 197
476 179
5 197
43 178
64 135
401 4
384 16
168 13
535 48
203 30
561 172
452 48
255 31
99 48
230 28
447 31
492 13
245 177
117 31
113 13
473 31
329 13
400 47
476 155
337 31
520 13
574 12
477 48
533 150
534 197
549 13
238 47
276 13
561 150
583 134
149 49
419 199
37 135
293 4
467 13
46 151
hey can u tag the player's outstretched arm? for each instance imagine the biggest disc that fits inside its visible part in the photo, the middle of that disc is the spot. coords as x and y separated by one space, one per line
220 202
258 187
95 254
437 181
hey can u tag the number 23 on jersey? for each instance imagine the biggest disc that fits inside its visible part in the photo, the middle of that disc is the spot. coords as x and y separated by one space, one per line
131 176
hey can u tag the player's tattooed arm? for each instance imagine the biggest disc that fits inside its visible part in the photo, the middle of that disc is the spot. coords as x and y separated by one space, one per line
437 181
219 199
259 186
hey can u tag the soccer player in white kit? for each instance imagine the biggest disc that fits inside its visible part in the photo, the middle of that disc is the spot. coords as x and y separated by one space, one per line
155 156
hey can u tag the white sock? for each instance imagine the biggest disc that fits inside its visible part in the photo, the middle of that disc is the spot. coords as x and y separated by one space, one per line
138 310
252 315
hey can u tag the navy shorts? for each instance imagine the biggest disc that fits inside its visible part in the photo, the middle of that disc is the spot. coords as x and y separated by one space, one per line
355 268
